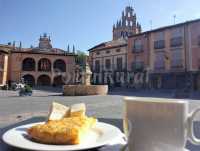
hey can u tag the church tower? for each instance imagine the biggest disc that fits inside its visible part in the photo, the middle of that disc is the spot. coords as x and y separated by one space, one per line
45 42
127 25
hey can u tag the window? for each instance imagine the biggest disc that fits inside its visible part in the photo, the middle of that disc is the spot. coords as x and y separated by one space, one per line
119 64
107 51
159 61
118 50
126 22
1 67
131 23
98 53
1 77
44 65
28 64
59 65
97 65
137 47
176 42
176 58
160 44
198 40
108 64
129 14
137 66
199 63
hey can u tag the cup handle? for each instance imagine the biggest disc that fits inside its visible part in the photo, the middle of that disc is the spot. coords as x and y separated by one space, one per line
191 134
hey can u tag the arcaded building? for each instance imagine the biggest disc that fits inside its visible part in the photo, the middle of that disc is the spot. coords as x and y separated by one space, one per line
3 65
42 65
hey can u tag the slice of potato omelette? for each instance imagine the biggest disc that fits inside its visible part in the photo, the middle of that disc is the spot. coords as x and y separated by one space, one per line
70 130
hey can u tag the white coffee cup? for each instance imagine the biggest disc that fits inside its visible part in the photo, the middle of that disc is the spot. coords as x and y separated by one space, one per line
157 124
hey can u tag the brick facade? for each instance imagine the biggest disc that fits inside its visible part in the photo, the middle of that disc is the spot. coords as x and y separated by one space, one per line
42 65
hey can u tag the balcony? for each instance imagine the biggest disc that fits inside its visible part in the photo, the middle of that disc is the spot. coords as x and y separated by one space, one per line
160 44
137 66
159 66
177 64
176 42
137 49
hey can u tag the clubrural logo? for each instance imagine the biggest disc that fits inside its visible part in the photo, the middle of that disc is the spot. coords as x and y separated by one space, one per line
132 78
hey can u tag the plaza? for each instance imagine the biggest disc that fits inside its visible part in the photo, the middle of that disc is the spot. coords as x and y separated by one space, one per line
14 108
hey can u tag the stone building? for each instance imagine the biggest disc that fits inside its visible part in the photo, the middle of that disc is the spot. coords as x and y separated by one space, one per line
170 54
108 60
3 65
42 65
138 58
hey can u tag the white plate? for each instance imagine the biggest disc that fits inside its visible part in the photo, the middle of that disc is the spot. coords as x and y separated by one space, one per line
102 134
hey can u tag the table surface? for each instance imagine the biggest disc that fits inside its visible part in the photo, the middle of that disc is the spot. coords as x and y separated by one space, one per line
116 122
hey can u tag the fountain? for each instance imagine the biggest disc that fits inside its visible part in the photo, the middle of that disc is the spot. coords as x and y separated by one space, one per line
84 87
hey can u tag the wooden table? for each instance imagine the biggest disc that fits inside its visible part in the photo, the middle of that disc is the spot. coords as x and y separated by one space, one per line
116 122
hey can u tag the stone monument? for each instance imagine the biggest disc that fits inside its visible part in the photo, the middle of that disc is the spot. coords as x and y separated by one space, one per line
84 86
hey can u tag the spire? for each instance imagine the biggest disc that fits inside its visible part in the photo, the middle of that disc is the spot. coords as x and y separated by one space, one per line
123 14
120 23
68 49
113 26
73 49
45 35
20 45
14 44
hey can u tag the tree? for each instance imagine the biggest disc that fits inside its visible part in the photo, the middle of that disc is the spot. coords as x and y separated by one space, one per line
81 58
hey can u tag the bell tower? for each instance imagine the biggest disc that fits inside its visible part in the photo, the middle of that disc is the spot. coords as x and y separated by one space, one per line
127 25
45 42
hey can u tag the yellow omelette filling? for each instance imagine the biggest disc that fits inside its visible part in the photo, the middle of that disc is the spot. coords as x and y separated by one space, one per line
71 130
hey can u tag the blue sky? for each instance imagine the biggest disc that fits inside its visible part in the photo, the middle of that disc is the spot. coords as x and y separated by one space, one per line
83 23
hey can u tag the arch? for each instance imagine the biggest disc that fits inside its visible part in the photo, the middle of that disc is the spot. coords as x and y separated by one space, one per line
29 79
28 64
44 64
59 65
44 80
58 81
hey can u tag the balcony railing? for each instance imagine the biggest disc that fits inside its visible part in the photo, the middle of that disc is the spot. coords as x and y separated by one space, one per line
159 66
113 67
160 44
137 66
137 49
177 63
176 42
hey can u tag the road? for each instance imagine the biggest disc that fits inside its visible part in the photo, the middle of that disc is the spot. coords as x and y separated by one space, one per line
14 108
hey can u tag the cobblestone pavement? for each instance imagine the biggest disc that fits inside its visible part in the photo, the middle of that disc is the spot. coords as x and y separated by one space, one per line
14 108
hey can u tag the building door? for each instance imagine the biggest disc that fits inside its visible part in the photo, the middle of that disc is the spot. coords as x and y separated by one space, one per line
29 79
44 80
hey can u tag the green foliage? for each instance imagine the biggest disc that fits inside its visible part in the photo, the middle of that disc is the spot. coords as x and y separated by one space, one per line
81 58
28 88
